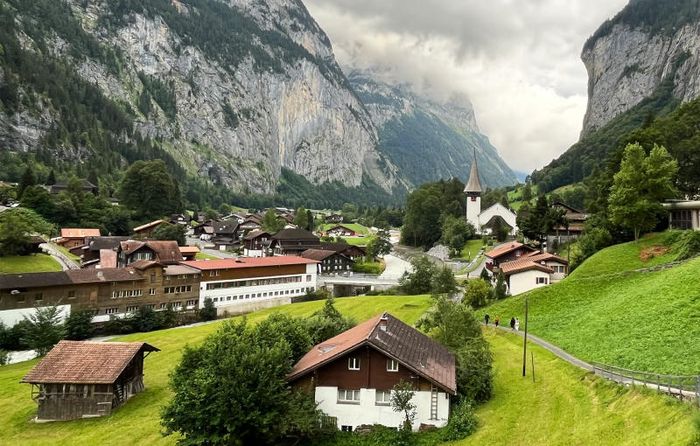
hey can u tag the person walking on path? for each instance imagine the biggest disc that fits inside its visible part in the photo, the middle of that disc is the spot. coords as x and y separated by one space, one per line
486 319
512 323
517 324
497 321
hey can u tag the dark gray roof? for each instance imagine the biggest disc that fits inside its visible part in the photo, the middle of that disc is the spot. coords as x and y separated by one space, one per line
295 234
31 280
108 242
474 184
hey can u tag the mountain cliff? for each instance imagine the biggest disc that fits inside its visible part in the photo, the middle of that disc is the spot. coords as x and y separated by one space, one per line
233 92
428 140
630 56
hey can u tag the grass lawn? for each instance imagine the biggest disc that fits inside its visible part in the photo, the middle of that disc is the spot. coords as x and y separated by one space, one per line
567 406
205 256
36 263
471 249
605 312
137 423
358 228
358 241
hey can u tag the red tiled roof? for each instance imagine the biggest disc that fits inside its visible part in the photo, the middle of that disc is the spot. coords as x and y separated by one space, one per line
247 262
545 256
189 250
408 346
505 249
525 264
85 362
79 232
149 225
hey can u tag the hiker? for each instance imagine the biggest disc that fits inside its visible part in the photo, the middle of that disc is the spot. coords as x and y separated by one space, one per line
486 319
497 321
512 323
517 324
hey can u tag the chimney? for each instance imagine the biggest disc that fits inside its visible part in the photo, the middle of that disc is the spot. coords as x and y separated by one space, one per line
382 322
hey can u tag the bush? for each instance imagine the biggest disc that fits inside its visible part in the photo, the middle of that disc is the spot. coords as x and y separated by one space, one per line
463 423
588 244
4 357
685 244
368 267
310 296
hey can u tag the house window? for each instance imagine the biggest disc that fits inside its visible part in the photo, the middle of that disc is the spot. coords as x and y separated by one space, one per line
348 396
152 292
153 277
71 294
214 273
111 310
346 428
308 277
191 303
541 280
353 363
382 398
392 365
131 309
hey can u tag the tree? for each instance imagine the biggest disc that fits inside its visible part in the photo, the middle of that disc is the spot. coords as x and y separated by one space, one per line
485 276
28 179
401 396
310 222
477 293
208 311
271 223
301 219
327 322
444 282
16 227
499 291
526 193
456 231
149 191
242 371
419 281
39 199
640 186
380 245
44 329
454 325
426 209
171 232
79 325
51 180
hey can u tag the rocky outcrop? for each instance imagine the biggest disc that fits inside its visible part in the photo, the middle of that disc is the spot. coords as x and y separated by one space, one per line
628 63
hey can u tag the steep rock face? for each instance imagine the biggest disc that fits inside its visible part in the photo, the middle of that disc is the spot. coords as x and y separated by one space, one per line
428 140
629 63
283 102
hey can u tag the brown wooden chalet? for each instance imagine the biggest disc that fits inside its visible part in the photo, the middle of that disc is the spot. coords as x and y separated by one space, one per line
256 243
352 374
352 251
62 186
341 231
293 241
74 237
331 262
90 252
146 230
87 379
506 252
166 252
225 235
575 219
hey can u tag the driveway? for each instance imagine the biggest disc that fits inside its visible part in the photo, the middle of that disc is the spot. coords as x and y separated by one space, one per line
65 262
395 267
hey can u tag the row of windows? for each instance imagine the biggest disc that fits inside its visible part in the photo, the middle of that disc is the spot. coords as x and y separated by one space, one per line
258 282
178 289
256 295
392 365
126 293
161 306
352 396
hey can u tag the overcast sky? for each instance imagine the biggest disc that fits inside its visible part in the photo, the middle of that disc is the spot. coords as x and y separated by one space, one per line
518 60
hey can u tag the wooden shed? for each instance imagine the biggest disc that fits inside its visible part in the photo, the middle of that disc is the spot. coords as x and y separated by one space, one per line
83 379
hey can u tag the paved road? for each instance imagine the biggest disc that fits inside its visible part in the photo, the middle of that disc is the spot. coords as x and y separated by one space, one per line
65 262
193 241
395 267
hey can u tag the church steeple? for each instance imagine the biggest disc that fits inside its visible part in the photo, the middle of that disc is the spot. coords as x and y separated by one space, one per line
473 187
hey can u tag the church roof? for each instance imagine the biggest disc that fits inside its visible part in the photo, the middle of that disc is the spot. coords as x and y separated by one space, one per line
473 185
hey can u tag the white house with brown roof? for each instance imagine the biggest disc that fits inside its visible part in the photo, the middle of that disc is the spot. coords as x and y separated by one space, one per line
533 270
352 375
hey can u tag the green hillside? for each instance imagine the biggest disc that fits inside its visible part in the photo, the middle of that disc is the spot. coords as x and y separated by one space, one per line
608 311
553 407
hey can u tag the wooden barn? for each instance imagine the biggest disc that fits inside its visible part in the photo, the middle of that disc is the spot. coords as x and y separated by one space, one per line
82 379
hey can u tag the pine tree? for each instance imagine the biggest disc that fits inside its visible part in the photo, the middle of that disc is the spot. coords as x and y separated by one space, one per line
28 179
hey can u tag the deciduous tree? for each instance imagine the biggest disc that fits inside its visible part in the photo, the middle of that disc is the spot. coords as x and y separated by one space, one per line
149 191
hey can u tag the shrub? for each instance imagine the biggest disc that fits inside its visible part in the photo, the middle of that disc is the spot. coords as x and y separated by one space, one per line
686 244
208 311
463 423
4 357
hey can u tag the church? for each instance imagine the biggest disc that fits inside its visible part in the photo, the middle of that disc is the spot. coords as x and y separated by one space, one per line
484 221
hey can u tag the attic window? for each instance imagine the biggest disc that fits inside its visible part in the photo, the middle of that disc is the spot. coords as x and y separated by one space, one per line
354 363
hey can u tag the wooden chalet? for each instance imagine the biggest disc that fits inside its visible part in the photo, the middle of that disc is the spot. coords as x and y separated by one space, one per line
341 231
75 237
82 379
352 251
146 230
225 236
189 252
62 186
506 252
256 243
330 262
352 375
293 241
574 227
166 252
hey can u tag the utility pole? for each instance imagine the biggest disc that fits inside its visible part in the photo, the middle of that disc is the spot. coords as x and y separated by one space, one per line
525 341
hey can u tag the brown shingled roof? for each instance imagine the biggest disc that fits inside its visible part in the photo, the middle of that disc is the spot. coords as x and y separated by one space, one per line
318 254
505 249
79 232
524 264
85 362
103 275
408 346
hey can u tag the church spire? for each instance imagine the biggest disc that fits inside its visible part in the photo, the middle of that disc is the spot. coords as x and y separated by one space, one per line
473 186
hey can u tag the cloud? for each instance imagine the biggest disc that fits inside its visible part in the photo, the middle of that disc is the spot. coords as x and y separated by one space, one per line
517 60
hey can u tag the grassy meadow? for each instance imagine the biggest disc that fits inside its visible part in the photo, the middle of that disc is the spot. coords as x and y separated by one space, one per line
564 406
36 263
607 312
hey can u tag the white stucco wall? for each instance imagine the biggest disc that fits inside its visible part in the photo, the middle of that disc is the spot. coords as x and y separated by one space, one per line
503 212
526 281
253 252
556 277
473 211
368 412
11 317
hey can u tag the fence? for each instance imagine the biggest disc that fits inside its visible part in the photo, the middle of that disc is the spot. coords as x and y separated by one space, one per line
679 386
